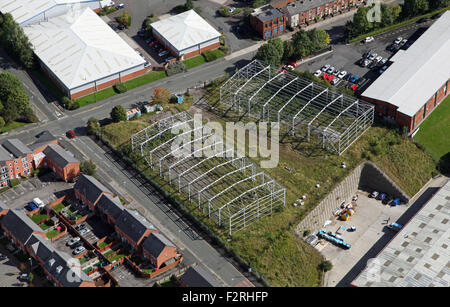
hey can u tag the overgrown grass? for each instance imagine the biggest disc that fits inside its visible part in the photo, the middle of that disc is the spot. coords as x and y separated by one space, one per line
58 207
52 233
39 217
434 132
13 125
397 25
194 62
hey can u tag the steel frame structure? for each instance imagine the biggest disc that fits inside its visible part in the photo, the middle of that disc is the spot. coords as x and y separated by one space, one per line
306 108
230 188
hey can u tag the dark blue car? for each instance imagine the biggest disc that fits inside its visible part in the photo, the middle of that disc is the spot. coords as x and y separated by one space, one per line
32 206
354 78
396 202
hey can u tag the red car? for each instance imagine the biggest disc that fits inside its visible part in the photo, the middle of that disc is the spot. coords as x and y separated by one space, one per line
293 64
324 76
354 87
330 77
70 134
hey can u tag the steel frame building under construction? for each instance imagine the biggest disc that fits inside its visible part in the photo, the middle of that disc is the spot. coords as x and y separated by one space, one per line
229 187
305 107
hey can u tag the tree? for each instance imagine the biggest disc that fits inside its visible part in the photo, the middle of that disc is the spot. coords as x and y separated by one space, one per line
437 4
289 51
125 19
302 44
189 5
161 96
2 122
319 39
88 167
360 22
272 52
92 125
14 100
387 15
413 8
118 113
325 266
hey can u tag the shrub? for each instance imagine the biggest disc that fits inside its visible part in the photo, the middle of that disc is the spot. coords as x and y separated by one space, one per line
2 122
31 118
175 68
120 88
224 11
14 182
93 125
75 105
125 19
118 114
325 266
376 150
88 168
211 55
306 233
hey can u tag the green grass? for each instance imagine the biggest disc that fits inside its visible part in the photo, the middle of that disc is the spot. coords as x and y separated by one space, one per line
97 96
45 226
103 244
13 125
214 54
194 62
52 233
39 217
116 257
58 207
434 132
397 25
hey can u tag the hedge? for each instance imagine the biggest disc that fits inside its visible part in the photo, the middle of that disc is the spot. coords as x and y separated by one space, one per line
120 88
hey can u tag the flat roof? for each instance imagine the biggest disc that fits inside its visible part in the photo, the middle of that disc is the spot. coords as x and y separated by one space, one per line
418 72
81 50
185 30
23 10
418 256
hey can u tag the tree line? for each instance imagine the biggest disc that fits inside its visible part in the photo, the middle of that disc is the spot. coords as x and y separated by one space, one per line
389 15
302 44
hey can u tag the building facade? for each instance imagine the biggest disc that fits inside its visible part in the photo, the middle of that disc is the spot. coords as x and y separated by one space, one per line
268 21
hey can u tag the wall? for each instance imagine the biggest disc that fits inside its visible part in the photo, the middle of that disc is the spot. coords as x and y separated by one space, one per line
367 177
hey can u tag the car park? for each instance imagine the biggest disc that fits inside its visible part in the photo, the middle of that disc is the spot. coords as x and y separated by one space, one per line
73 241
318 73
325 67
79 250
342 74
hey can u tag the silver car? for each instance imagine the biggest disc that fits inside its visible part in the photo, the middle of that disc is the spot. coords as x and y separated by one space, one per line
325 67
330 70
79 250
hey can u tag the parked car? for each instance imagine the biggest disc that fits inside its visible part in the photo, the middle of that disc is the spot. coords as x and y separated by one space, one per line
342 74
330 78
293 64
336 72
404 41
378 58
395 202
24 277
348 76
141 33
436 16
70 134
114 28
330 70
80 226
387 199
353 78
395 227
367 53
73 241
163 53
408 44
335 81
77 244
383 61
372 56
354 87
231 9
79 250
169 59
369 39
38 202
2 257
372 64
383 69
121 26
120 6
365 62
324 76
147 65
398 40
374 194
381 196
325 67
32 206
84 231
390 47
150 40
318 73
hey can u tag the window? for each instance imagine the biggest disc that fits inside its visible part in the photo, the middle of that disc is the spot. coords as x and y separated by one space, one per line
281 28
24 159
4 169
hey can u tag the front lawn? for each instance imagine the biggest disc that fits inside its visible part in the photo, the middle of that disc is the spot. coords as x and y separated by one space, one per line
434 132
195 61
52 233
58 207
37 218
13 125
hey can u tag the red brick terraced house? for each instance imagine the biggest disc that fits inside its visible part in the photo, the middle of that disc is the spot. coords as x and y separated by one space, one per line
110 208
159 250
198 276
268 21
65 165
417 80
89 190
133 228
16 160
186 35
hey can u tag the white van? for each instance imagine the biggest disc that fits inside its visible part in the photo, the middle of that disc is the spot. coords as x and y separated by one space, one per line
38 202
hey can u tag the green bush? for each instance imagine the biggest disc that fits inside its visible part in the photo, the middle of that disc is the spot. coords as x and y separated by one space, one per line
75 105
14 182
325 266
31 118
120 88
224 11
211 55
175 68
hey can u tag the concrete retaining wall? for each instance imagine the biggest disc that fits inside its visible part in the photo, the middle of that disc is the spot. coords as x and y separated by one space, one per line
367 177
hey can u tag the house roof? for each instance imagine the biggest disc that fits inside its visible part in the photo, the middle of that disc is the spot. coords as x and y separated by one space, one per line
16 147
82 49
44 138
90 187
198 276
20 225
133 224
266 13
111 205
58 155
3 206
185 30
304 5
418 256
59 264
155 244
418 72
24 10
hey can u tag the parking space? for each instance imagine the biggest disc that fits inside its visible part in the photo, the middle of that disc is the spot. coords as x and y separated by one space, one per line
9 270
370 220
127 278
348 57
62 244
47 188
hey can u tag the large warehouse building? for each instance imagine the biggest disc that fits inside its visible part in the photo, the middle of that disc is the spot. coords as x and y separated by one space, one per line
418 256
417 80
186 35
83 54
27 12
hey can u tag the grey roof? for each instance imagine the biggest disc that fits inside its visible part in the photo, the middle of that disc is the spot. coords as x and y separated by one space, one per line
44 138
267 13
133 224
304 5
111 205
90 187
418 72
155 244
5 155
198 276
58 155
3 206
41 246
418 256
57 264
16 147
20 225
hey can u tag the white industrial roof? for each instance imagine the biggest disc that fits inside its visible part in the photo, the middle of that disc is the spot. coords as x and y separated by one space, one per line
418 72
418 256
23 10
185 30
81 50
